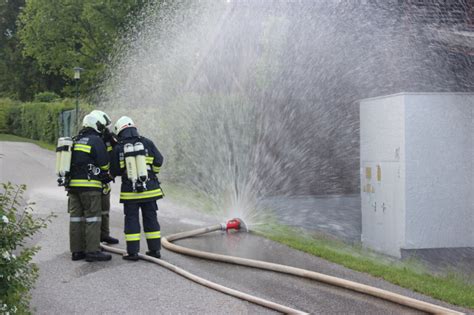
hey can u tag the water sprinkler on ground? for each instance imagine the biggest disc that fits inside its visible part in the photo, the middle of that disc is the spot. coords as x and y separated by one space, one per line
234 224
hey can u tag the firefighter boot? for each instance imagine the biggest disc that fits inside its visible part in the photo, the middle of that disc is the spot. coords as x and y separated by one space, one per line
78 256
131 257
97 256
109 240
154 253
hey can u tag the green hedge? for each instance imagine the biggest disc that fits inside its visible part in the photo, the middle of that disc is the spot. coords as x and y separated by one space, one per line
6 105
47 97
35 120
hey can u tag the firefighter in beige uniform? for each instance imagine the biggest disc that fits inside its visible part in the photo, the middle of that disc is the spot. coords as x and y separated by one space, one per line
89 170
110 142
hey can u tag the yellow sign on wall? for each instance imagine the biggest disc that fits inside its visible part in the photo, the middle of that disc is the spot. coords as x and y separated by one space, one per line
368 172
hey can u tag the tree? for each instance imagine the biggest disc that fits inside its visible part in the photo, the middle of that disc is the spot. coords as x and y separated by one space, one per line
20 77
62 34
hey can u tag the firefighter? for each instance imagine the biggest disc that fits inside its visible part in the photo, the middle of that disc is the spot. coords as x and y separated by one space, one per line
89 170
137 160
110 142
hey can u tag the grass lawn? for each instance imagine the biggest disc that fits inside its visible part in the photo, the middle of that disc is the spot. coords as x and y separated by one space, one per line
44 145
450 288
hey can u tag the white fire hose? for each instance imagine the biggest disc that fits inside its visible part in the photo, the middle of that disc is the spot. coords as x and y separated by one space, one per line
237 224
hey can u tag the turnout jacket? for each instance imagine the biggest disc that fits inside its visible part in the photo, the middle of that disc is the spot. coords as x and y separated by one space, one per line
154 160
89 163
110 141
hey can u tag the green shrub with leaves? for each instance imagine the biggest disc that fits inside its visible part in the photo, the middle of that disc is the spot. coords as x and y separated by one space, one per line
6 105
37 120
40 121
17 273
46 97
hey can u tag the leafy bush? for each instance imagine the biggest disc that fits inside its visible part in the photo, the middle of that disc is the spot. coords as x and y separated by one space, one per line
46 97
40 121
6 105
36 120
17 273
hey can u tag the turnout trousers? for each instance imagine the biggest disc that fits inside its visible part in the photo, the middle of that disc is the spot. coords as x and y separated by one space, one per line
151 226
105 226
85 219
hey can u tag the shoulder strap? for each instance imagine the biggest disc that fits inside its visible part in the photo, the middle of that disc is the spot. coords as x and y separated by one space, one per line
140 138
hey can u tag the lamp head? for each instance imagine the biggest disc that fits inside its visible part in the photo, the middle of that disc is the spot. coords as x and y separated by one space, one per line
77 73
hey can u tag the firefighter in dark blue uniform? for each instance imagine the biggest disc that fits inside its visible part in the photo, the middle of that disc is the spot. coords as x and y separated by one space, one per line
89 170
135 196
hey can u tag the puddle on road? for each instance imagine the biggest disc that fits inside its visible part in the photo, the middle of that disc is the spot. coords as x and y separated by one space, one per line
234 244
46 193
89 268
192 222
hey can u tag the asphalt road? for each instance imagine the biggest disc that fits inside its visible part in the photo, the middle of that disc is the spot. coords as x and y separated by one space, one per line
122 287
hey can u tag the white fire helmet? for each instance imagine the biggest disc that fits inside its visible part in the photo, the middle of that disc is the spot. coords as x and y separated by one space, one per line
123 123
99 113
98 123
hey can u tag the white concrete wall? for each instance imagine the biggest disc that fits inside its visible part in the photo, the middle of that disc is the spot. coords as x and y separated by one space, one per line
423 146
439 170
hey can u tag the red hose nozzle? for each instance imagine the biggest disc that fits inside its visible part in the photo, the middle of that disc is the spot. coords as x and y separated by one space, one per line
233 224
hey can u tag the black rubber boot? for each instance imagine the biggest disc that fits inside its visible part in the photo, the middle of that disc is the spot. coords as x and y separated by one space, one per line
97 256
78 256
109 240
131 257
154 253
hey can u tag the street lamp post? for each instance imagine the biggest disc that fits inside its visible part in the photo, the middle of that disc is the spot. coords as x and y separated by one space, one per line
77 77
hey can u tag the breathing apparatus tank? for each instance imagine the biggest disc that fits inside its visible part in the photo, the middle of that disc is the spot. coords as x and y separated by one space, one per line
130 163
58 157
135 163
63 159
141 162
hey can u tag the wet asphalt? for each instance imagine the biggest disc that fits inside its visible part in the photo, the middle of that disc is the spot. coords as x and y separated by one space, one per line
122 287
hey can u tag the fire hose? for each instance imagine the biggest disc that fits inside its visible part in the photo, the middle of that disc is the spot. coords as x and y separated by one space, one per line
237 224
